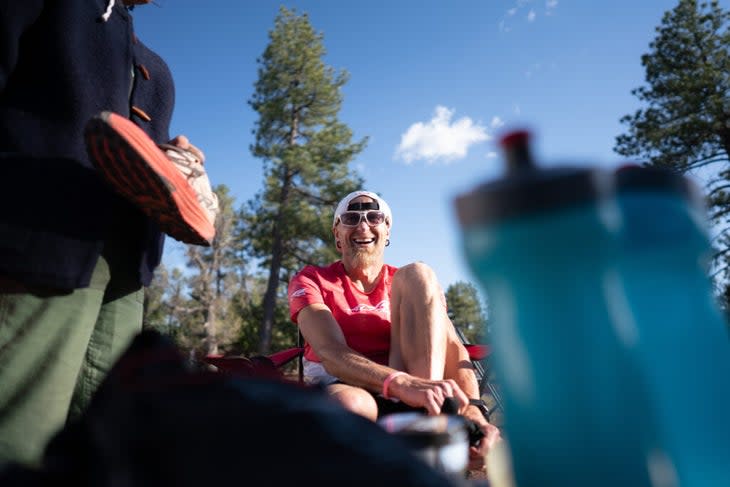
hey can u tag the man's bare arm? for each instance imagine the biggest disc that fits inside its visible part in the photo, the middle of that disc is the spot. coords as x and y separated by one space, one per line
324 335
321 331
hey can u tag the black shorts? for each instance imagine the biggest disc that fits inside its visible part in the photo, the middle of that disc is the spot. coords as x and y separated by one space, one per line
388 406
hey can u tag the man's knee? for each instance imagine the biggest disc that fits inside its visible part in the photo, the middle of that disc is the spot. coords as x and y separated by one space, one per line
356 400
415 270
418 282
416 274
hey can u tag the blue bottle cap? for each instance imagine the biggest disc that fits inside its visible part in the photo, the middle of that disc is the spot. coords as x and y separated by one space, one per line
634 177
527 188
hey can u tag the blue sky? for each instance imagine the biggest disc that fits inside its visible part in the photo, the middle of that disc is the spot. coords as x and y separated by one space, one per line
433 85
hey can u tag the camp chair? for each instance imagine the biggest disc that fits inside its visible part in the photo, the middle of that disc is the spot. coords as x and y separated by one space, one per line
259 365
479 356
270 365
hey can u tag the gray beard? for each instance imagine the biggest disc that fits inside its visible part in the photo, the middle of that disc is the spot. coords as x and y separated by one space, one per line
362 258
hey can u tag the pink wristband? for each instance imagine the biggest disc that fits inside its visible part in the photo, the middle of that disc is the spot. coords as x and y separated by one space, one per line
388 380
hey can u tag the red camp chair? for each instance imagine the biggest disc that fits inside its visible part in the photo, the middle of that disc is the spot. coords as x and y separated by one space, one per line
237 363
258 365
479 356
270 365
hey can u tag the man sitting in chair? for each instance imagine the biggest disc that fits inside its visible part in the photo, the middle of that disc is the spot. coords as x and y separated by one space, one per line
378 336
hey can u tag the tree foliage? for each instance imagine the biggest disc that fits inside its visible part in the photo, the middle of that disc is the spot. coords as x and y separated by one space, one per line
196 308
685 125
164 303
156 310
466 311
216 278
305 150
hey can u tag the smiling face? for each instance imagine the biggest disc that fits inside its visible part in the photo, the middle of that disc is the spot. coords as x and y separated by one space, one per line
363 244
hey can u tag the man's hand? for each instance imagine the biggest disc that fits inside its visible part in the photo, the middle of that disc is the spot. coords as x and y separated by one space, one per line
478 453
425 393
184 143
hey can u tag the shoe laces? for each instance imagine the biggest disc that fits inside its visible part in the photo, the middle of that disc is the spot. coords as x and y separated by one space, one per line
192 168
188 163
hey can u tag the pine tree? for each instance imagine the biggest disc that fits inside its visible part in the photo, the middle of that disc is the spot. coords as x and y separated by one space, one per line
686 123
165 304
156 312
305 151
215 279
466 312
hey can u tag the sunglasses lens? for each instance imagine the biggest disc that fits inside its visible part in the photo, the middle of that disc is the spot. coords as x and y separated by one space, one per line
350 218
353 218
375 217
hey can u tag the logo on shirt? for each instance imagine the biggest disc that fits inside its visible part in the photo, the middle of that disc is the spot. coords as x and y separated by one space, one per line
382 307
298 293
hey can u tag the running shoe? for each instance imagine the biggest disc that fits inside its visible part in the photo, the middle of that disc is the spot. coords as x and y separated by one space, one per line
144 174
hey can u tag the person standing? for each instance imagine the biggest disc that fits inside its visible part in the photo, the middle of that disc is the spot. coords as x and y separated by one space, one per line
74 254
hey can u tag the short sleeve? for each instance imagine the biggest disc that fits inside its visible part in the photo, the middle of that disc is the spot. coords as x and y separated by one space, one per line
304 290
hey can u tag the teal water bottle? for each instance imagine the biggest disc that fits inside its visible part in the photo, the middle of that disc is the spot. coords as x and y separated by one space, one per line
542 244
679 335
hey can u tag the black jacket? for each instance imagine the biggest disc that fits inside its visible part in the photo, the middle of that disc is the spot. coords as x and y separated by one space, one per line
60 64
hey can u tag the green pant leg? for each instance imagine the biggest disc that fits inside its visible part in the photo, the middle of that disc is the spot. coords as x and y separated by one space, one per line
43 340
120 319
55 350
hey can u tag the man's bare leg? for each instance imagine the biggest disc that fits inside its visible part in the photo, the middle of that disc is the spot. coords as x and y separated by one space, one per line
354 399
423 340
420 325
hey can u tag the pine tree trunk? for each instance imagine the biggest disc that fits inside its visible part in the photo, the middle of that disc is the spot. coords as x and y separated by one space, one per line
277 251
269 305
211 323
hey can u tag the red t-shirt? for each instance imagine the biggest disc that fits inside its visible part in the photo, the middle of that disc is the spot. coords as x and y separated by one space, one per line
363 318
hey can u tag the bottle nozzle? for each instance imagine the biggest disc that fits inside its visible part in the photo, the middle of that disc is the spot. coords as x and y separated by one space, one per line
516 149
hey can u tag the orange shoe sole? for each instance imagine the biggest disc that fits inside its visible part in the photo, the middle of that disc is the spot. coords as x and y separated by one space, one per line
138 170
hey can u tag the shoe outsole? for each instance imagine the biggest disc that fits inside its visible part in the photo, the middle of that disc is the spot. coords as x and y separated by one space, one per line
137 169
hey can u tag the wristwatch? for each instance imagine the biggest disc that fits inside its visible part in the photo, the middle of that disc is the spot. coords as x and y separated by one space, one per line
479 403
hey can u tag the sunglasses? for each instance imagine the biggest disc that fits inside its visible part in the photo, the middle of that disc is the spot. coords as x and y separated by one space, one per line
353 218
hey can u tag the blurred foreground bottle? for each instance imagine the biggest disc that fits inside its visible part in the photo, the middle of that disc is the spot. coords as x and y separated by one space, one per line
678 335
543 244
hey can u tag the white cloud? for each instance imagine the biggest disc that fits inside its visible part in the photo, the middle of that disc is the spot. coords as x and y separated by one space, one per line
491 155
440 138
532 13
496 122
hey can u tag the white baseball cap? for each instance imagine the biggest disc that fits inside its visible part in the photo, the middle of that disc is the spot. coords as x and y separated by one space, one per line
345 202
